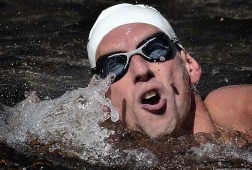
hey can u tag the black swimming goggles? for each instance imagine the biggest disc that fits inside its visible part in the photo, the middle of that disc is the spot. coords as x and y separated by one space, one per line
157 48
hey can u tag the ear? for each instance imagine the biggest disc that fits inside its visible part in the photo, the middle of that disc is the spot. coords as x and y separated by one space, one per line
192 66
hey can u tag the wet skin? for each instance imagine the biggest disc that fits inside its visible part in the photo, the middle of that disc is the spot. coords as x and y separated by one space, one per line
231 108
171 80
178 110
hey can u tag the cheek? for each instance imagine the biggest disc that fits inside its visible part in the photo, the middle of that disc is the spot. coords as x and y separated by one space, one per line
119 95
182 83
177 79
116 95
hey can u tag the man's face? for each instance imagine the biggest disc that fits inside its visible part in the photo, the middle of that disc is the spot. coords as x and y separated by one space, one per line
152 97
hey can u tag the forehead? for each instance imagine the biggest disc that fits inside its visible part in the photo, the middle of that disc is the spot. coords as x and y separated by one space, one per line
125 36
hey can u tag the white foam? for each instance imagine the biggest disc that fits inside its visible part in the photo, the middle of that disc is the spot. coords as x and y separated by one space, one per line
69 123
220 151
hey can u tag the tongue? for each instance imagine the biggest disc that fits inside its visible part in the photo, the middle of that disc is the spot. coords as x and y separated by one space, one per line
153 100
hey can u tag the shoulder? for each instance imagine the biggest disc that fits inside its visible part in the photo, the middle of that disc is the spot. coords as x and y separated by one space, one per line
231 107
243 91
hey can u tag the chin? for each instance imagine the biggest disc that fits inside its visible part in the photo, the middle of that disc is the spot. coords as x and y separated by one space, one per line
162 132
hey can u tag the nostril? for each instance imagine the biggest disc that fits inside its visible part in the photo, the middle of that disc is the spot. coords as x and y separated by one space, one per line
144 78
137 79
149 76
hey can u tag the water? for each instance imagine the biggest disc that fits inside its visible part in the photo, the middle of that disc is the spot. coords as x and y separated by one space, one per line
42 49
69 124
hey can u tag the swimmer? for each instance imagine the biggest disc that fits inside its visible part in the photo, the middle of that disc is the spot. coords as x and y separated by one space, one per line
154 89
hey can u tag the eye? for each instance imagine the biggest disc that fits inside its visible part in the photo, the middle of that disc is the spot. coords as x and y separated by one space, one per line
111 64
116 64
157 48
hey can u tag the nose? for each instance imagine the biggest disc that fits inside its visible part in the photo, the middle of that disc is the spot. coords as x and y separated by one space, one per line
140 69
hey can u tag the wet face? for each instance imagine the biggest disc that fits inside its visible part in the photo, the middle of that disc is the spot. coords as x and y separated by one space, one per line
152 97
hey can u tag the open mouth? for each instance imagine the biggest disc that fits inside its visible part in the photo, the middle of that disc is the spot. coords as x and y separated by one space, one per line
151 97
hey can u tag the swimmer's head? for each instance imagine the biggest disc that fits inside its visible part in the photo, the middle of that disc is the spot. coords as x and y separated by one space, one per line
122 14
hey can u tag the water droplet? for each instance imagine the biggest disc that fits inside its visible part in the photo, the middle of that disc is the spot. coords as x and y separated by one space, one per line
162 59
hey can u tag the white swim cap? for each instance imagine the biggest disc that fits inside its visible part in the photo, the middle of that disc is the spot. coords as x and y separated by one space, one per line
121 14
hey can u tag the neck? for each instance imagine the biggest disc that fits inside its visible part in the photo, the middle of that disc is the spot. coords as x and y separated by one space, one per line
202 119
198 120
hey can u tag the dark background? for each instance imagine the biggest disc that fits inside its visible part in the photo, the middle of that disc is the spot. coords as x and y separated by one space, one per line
43 43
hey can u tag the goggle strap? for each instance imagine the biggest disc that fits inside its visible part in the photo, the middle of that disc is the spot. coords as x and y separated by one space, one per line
176 41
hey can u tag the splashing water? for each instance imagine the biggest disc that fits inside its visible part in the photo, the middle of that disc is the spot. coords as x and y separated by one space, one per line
69 124
213 151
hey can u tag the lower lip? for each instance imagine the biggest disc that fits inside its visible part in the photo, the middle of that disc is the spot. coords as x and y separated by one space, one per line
156 107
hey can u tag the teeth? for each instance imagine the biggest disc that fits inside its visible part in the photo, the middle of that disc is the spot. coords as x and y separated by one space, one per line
149 95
